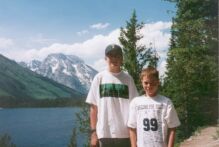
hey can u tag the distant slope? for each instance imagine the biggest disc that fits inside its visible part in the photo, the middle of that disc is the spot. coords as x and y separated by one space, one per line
19 82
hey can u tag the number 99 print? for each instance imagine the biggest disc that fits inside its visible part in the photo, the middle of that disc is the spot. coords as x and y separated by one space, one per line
150 124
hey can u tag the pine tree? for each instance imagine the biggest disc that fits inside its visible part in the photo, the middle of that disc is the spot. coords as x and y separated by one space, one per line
192 70
83 120
83 129
5 141
135 56
73 141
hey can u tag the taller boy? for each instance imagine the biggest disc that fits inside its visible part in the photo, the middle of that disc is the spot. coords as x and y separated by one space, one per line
109 97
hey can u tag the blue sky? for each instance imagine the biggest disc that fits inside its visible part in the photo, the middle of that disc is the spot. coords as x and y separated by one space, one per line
31 29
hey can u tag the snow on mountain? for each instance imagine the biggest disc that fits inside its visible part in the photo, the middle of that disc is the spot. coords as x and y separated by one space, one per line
68 70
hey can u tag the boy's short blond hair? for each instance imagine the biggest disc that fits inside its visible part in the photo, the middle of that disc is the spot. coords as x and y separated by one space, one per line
150 72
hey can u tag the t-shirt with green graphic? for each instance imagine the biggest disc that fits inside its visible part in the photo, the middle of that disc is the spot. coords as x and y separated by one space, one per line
112 93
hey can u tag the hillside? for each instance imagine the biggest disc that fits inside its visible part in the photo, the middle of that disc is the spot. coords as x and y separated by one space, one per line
21 83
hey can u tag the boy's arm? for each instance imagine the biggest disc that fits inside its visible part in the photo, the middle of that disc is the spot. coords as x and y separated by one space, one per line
133 137
93 122
172 132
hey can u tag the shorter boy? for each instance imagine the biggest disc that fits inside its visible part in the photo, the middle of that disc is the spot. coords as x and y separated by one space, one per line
153 118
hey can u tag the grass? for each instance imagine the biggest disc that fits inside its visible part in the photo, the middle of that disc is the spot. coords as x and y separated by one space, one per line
198 131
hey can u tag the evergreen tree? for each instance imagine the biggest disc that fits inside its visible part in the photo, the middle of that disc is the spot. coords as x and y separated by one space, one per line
83 121
5 141
73 141
83 129
135 56
192 71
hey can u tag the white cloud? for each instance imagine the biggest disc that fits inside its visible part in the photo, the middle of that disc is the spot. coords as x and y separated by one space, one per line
100 64
5 43
157 34
92 50
83 32
99 26
162 68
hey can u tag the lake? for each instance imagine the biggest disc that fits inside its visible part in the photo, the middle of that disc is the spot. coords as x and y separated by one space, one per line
39 127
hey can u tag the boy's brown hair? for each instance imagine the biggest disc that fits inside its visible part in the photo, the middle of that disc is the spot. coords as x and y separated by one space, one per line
150 72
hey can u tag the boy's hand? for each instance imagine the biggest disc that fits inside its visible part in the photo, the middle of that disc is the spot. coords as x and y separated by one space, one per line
94 140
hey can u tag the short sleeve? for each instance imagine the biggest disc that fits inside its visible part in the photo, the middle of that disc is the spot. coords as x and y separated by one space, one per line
171 116
93 92
132 121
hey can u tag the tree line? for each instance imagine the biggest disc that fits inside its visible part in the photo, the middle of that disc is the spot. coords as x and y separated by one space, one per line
192 65
13 102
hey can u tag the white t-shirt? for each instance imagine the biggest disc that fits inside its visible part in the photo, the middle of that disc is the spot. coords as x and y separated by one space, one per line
152 116
112 93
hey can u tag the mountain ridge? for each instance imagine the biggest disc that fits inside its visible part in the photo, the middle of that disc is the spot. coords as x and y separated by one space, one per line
69 70
19 82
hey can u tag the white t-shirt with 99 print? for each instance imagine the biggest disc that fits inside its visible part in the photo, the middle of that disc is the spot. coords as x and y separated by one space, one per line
152 116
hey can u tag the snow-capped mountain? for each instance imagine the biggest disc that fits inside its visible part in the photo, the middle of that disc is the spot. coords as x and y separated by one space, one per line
68 70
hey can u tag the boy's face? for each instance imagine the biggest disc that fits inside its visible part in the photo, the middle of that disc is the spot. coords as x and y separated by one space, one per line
150 85
114 62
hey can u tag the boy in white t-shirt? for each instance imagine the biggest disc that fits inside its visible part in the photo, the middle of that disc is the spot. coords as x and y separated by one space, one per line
109 97
152 117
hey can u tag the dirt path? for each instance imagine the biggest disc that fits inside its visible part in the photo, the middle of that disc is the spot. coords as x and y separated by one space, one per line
203 139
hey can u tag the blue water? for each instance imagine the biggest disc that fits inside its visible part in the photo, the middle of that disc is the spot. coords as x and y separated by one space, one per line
39 127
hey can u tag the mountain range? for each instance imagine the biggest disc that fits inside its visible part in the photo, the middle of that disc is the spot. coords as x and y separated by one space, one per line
68 70
19 82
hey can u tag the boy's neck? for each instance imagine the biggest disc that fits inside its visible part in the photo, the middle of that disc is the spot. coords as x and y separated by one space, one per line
116 70
152 96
